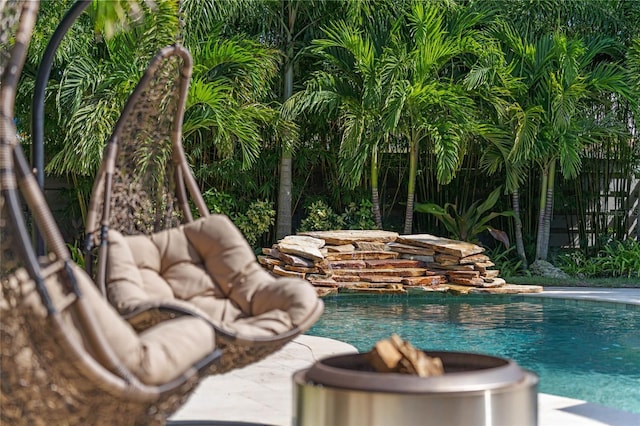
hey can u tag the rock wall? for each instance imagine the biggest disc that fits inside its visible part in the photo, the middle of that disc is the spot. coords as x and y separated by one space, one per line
373 261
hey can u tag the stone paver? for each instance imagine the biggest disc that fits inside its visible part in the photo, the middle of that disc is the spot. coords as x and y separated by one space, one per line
260 393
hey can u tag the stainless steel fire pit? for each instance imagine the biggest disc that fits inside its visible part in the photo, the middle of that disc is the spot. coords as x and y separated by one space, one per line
475 390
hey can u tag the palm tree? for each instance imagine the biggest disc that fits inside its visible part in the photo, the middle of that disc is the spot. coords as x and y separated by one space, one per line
563 77
577 79
512 124
506 135
227 109
96 82
349 89
535 21
288 25
575 18
503 132
428 101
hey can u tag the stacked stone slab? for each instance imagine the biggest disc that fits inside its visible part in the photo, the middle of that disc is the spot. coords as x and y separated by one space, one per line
460 262
373 261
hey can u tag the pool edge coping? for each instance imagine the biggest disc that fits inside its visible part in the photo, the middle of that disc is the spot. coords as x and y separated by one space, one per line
617 296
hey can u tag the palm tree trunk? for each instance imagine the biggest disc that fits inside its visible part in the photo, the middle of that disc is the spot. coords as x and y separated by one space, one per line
283 220
541 211
548 213
375 199
638 215
283 223
515 199
411 191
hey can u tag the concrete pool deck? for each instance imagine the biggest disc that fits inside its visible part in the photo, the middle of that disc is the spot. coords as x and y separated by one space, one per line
261 394
616 295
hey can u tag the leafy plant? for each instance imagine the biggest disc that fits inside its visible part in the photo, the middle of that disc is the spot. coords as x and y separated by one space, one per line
577 264
468 224
507 261
620 259
77 253
218 202
256 221
321 217
359 217
616 259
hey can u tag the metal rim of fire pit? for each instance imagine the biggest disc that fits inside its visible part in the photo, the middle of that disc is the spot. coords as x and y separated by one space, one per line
464 372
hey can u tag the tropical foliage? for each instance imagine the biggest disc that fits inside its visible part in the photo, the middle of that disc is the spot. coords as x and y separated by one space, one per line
321 217
616 259
392 102
468 224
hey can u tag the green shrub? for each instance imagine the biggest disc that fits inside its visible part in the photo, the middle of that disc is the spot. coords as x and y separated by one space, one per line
320 217
577 264
218 202
506 260
359 217
253 224
260 216
616 259
620 259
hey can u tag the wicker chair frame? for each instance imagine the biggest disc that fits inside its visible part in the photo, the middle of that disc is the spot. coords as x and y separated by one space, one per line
58 365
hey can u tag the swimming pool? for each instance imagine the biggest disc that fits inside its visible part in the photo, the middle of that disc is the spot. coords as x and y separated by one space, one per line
580 349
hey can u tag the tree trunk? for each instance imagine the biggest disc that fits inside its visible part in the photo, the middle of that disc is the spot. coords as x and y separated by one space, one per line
283 223
515 198
548 213
638 213
411 191
375 199
283 220
541 211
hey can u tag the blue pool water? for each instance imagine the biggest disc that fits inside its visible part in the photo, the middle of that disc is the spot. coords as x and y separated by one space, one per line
580 349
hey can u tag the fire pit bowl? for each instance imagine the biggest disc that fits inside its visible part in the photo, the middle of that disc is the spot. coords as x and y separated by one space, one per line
475 389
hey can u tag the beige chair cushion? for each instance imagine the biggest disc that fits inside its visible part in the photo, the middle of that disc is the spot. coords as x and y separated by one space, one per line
209 264
160 354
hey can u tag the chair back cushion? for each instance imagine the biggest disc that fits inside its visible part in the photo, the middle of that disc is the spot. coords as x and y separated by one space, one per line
208 264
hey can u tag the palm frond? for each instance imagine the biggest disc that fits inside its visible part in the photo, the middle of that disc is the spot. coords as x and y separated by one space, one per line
569 155
447 150
353 152
89 127
526 124
613 79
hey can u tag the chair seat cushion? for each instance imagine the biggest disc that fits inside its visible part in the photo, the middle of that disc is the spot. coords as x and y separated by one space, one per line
208 264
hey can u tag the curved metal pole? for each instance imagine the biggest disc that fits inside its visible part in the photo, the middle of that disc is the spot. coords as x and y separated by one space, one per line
37 117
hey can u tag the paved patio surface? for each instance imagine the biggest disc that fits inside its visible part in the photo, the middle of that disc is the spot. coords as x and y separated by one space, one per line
261 394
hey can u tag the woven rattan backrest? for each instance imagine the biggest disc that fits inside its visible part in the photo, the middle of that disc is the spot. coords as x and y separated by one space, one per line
144 184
